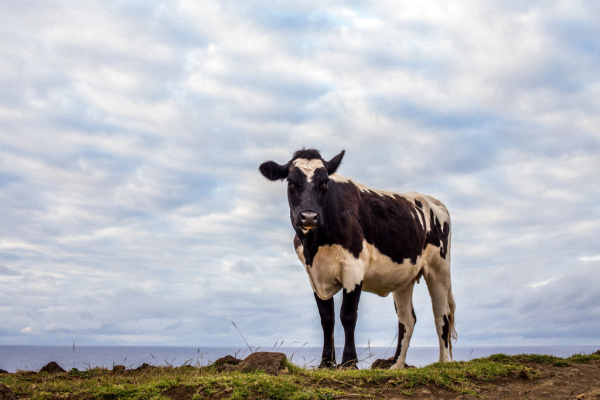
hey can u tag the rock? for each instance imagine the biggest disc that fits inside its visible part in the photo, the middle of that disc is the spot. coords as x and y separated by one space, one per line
52 368
597 352
226 364
4 372
118 368
387 364
144 367
230 360
270 362
6 393
382 363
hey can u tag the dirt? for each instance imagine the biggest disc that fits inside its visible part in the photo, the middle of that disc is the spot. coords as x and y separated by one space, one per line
579 381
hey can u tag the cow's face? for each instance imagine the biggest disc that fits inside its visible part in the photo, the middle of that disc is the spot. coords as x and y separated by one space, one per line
307 176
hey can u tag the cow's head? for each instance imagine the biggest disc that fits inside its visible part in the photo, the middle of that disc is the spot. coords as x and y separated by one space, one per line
308 183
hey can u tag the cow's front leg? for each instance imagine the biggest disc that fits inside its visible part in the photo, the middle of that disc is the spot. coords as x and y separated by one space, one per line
327 313
348 315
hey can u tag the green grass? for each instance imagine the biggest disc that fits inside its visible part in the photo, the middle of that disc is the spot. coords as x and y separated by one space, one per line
544 359
294 383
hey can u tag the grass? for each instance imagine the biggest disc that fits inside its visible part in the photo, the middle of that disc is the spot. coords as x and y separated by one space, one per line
293 383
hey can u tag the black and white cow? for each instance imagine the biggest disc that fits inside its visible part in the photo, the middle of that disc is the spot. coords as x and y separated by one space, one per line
353 238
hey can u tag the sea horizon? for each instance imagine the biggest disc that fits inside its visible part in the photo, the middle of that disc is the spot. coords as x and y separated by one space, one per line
82 357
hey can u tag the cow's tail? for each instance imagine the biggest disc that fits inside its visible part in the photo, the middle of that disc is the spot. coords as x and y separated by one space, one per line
452 308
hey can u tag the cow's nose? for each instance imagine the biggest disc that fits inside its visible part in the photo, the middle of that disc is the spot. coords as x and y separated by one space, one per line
309 219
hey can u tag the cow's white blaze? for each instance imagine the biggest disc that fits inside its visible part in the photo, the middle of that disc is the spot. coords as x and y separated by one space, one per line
308 167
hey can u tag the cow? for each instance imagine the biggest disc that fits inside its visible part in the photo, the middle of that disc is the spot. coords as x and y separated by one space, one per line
353 238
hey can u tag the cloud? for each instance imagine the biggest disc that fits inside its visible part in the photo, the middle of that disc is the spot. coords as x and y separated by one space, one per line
131 134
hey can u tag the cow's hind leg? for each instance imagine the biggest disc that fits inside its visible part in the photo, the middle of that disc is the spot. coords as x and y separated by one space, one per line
406 322
437 276
327 313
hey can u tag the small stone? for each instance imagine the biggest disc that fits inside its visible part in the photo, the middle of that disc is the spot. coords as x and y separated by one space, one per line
270 362
144 367
597 352
4 372
118 368
6 393
52 368
230 360
383 363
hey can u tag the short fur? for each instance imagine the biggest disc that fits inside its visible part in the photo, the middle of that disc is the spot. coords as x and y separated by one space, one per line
367 240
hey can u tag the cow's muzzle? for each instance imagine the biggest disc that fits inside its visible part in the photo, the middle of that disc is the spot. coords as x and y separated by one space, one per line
309 220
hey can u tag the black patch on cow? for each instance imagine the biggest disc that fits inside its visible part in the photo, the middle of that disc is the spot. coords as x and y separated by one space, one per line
327 313
349 315
340 223
390 224
418 204
445 330
438 235
414 315
401 332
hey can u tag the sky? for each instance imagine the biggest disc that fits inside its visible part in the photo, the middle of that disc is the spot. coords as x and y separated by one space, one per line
133 213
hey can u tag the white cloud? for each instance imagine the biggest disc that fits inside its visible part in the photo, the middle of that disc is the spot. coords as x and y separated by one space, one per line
131 134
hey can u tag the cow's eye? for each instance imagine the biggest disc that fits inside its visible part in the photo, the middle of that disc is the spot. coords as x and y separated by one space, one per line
324 184
292 185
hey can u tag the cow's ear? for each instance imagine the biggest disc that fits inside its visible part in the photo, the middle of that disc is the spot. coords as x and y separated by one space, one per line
334 163
273 171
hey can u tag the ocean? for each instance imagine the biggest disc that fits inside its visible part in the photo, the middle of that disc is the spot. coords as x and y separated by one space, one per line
32 358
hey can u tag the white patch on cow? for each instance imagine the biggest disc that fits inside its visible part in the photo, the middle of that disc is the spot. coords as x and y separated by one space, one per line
384 276
334 268
325 273
308 167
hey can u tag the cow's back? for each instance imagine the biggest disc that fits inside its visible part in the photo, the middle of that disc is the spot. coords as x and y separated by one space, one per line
401 232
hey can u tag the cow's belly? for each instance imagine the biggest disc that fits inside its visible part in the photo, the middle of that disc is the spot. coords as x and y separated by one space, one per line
383 276
334 268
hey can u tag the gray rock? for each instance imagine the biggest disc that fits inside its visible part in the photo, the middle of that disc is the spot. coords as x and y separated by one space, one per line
270 362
